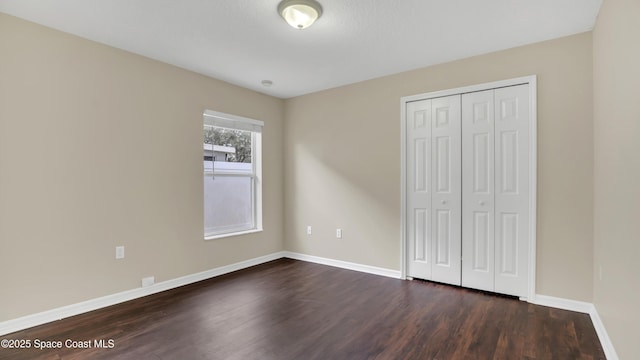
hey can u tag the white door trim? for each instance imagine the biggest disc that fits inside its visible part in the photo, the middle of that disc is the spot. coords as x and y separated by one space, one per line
533 164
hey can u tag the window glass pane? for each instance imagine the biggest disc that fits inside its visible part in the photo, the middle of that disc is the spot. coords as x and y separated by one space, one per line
226 145
228 167
228 203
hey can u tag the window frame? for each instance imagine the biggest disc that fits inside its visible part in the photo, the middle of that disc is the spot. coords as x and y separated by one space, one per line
228 121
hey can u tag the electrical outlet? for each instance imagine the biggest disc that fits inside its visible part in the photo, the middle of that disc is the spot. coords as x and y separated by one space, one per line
309 230
119 252
339 233
148 281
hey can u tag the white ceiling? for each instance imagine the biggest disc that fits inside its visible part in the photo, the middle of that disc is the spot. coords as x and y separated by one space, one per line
246 41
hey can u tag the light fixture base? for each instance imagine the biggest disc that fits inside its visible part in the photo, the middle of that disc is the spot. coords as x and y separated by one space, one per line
300 14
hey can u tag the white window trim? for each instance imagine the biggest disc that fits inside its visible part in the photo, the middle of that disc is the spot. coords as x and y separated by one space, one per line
220 119
237 233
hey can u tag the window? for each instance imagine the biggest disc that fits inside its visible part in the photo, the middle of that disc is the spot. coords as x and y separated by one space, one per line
232 175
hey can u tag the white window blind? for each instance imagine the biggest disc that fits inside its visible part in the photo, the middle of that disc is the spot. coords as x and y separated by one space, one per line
215 118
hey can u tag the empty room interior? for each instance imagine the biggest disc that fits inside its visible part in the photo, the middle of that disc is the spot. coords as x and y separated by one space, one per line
337 211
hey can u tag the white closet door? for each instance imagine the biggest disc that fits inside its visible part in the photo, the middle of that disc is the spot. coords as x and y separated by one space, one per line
512 189
446 189
478 190
418 212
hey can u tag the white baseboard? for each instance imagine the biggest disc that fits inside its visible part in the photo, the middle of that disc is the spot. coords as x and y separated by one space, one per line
344 264
583 307
565 304
44 317
28 321
607 345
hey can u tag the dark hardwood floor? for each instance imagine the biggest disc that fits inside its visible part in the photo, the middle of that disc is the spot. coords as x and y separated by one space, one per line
288 309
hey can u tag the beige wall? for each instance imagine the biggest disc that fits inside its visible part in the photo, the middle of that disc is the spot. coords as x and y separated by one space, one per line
63 207
616 61
100 147
342 161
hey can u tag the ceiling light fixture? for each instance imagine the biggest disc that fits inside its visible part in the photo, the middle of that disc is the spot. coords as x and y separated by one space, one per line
300 14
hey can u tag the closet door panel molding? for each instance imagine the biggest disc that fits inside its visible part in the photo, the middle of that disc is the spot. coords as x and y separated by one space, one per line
418 184
446 193
478 190
512 189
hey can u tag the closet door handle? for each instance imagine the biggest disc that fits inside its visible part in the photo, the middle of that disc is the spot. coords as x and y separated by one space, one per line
481 203
443 202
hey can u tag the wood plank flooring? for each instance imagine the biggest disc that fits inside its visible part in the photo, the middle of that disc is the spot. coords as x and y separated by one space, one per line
289 309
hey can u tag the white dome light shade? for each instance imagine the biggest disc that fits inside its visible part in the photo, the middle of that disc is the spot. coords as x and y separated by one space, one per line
300 14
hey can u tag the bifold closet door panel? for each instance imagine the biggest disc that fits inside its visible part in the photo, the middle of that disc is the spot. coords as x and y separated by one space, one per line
512 189
418 185
446 191
478 252
434 189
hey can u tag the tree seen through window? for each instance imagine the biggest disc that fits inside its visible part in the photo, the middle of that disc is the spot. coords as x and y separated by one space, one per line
238 139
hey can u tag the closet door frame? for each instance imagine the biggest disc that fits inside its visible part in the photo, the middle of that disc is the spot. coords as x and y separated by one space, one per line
532 82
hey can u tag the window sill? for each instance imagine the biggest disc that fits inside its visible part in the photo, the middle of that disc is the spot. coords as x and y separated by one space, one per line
220 236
